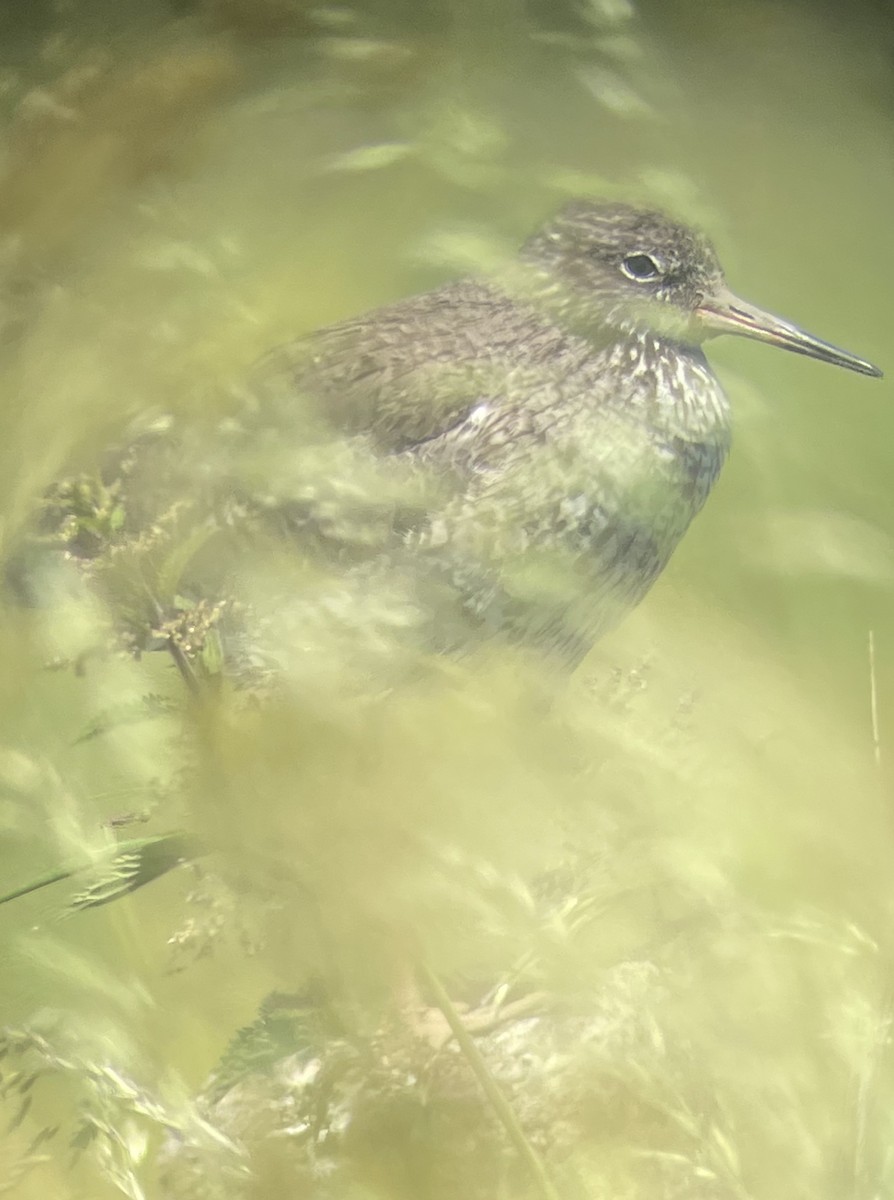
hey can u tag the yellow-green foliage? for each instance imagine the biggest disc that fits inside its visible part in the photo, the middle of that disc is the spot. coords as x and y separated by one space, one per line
658 894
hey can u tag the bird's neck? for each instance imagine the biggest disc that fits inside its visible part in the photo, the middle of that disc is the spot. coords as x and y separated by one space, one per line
659 371
669 382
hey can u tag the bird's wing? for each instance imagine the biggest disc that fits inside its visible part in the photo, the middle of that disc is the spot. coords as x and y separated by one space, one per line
402 375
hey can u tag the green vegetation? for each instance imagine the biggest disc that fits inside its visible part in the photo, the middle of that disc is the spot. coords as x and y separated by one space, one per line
297 849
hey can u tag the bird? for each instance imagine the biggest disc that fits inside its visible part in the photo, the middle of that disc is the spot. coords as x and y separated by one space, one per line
560 412
561 416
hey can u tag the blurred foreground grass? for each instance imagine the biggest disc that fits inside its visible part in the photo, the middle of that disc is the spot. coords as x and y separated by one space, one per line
683 858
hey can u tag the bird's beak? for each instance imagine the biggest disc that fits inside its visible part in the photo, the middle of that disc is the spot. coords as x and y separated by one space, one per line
726 313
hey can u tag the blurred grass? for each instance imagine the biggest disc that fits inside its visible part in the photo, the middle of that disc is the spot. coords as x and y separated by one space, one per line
689 850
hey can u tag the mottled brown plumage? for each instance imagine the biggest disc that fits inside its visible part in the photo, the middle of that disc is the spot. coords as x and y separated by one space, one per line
561 417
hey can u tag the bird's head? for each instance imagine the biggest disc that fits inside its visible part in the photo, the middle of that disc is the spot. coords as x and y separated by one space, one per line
611 267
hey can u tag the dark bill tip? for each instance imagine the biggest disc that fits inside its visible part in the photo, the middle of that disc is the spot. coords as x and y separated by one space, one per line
728 314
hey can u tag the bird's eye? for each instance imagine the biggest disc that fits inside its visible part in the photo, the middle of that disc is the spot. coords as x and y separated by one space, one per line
641 267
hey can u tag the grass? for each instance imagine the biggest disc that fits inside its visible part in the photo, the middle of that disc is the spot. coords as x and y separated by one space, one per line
683 856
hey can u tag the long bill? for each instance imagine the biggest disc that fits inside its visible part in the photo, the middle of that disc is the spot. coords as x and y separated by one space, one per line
726 313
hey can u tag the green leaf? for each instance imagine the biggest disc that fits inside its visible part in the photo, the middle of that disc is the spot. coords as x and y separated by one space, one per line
371 158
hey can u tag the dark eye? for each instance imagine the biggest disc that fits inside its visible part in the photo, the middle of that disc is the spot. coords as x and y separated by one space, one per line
641 267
